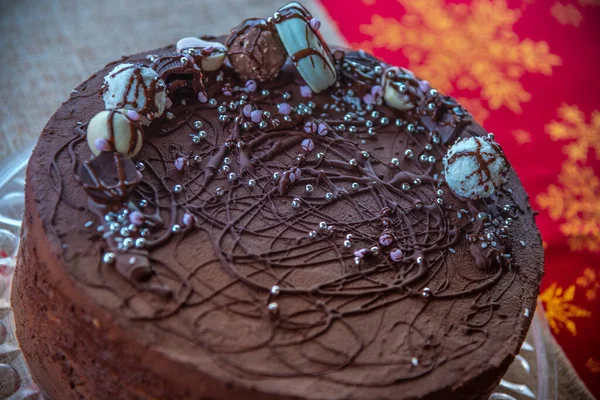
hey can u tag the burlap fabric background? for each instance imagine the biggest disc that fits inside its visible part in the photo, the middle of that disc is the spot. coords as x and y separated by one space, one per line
48 47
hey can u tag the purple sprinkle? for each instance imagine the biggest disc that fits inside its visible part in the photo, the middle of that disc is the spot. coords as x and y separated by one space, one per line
133 115
386 239
305 91
247 110
292 177
102 144
180 163
377 91
202 98
315 23
251 85
424 86
136 218
188 219
297 172
361 253
396 255
368 98
226 90
256 116
168 103
322 129
284 108
307 145
310 127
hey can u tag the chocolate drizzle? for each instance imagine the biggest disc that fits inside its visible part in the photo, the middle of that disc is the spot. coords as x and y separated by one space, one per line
335 317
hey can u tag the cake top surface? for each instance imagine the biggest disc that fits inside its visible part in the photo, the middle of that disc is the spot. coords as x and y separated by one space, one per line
303 220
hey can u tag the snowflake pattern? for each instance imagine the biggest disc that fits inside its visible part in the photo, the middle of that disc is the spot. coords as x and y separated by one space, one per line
570 14
572 126
466 47
576 205
521 136
559 310
589 282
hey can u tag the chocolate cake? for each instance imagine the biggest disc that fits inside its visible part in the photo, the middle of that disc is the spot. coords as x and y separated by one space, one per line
261 216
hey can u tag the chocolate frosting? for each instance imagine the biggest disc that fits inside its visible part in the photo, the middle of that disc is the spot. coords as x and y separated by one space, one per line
279 280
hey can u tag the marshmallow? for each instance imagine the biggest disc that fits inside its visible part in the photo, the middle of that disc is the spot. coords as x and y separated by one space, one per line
209 54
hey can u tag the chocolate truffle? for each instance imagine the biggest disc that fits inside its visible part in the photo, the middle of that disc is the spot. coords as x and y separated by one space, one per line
255 50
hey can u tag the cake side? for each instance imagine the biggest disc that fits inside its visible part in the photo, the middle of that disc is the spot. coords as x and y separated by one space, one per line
387 298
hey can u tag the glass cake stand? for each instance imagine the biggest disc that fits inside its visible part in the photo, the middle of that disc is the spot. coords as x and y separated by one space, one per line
531 376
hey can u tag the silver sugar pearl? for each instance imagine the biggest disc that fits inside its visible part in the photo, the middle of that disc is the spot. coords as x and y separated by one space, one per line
348 117
263 124
322 225
371 131
231 177
395 162
143 203
202 134
431 106
275 290
219 192
424 157
296 203
227 160
140 243
357 260
223 118
286 96
355 186
312 234
390 74
276 176
309 188
365 154
312 104
419 260
352 129
398 123
402 88
440 192
431 159
140 166
273 308
369 123
384 121
266 114
197 159
169 115
196 139
375 114
408 153
482 216
426 292
108 258
222 109
198 125
175 228
375 250
341 127
287 118
225 168
124 232
177 188
378 70
251 183
232 105
128 243
405 187
328 196
428 147
353 162
490 136
247 126
411 127
347 244
265 92
433 92
416 181
439 201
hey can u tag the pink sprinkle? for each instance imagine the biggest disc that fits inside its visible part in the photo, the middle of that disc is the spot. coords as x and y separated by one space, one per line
386 239
307 145
292 177
424 86
322 129
188 219
202 97
247 110
251 85
102 144
377 91
256 116
310 127
368 98
396 255
361 253
136 218
133 115
305 91
315 23
298 172
226 90
180 163
284 108
168 103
